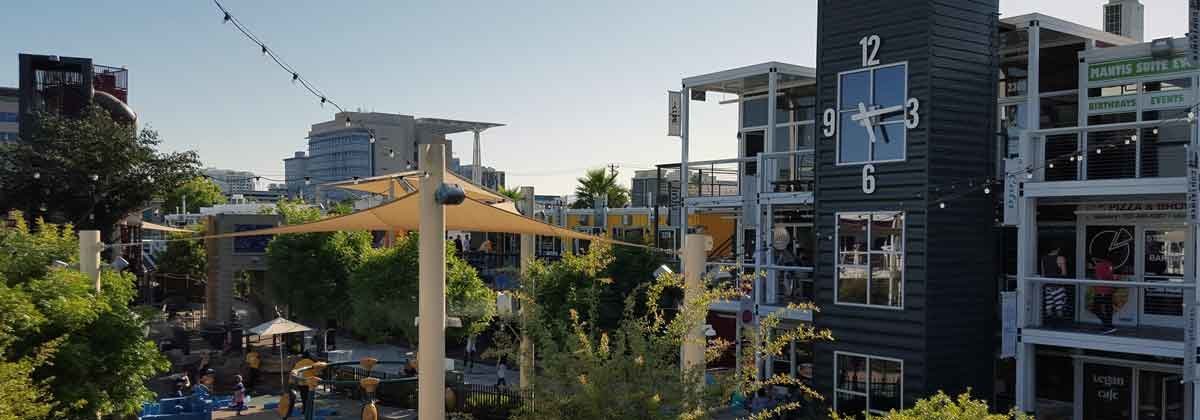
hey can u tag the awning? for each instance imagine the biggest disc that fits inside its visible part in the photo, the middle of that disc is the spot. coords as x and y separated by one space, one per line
402 183
278 326
161 228
403 214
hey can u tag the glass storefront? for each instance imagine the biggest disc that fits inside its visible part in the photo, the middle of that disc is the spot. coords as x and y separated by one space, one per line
1072 387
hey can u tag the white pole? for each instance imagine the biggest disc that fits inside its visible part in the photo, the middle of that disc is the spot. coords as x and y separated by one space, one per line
477 156
431 349
1027 238
683 165
693 267
527 255
89 255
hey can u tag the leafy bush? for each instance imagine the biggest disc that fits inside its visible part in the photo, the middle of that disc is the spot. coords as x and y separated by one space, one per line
940 406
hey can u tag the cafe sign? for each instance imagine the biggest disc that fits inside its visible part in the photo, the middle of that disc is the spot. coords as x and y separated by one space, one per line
1149 102
1137 67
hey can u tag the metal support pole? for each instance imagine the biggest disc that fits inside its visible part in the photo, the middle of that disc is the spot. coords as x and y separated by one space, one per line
89 255
1027 234
431 349
477 157
525 374
694 260
683 166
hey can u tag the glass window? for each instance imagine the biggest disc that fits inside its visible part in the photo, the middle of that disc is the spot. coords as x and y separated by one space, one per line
754 112
871 259
866 384
872 90
1167 85
1111 155
8 117
1164 151
1163 261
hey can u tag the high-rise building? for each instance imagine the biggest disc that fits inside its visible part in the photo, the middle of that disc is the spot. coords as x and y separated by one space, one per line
490 177
1125 18
9 110
363 144
232 181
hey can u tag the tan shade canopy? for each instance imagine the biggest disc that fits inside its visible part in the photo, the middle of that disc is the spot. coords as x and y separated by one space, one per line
403 214
402 183
161 228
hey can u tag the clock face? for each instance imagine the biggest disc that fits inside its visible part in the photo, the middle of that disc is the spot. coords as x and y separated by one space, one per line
873 113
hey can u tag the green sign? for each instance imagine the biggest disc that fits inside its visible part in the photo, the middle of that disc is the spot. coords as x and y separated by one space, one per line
1114 104
1137 67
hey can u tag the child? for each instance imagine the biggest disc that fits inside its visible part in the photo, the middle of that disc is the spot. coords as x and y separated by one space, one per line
500 375
239 394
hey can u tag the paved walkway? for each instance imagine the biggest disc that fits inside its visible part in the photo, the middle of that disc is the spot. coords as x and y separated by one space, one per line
481 373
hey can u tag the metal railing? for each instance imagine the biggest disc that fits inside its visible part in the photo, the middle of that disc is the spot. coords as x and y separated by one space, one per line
1151 301
776 172
793 284
1148 149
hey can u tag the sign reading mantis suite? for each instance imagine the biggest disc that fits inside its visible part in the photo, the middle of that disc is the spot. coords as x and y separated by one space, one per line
1137 67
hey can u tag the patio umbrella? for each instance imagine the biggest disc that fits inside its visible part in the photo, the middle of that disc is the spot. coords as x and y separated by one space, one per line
279 326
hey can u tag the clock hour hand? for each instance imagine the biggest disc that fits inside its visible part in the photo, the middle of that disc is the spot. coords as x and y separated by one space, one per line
863 113
864 121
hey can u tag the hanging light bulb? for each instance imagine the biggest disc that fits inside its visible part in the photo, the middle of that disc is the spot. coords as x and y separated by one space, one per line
1134 137
987 190
1051 165
1154 131
1029 175
942 204
347 121
355 180
1098 151
295 77
1127 141
391 154
307 180
95 177
264 49
1072 158
371 137
322 102
37 175
227 18
42 207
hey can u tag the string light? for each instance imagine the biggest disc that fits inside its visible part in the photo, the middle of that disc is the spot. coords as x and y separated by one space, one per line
987 190
307 180
95 177
371 138
347 121
37 175
391 154
942 204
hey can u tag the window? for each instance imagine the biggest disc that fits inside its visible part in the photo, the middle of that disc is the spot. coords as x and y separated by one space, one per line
872 89
8 117
870 260
1112 19
867 384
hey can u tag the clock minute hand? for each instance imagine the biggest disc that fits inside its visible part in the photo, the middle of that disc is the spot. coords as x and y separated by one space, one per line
864 121
864 113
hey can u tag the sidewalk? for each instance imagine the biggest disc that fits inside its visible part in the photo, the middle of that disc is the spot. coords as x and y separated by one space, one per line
481 373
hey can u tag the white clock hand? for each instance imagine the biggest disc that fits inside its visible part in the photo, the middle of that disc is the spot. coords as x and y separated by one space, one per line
864 121
863 113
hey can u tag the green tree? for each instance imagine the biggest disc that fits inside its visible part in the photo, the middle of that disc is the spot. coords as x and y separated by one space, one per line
632 371
53 169
198 192
384 293
310 272
597 182
184 257
940 406
66 350
513 194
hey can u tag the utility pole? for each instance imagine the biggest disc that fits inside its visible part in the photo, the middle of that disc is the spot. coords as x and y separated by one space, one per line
612 170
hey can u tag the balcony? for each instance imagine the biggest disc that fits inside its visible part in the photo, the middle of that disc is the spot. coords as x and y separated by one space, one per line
1112 159
1147 314
774 288
790 178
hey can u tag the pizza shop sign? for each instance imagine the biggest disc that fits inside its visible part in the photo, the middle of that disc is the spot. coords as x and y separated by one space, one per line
1169 211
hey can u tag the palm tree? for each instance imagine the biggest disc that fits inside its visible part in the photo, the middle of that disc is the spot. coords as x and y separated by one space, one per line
596 182
513 194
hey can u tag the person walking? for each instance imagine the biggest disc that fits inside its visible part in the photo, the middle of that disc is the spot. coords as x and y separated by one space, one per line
1102 296
1054 296
501 368
306 360
470 362
253 362
239 394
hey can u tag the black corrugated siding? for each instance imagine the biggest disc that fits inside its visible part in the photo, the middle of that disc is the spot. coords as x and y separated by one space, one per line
945 332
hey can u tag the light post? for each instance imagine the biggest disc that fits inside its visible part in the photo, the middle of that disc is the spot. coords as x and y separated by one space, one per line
431 347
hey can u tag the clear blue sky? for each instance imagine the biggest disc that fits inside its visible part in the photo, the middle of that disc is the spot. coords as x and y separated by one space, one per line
580 84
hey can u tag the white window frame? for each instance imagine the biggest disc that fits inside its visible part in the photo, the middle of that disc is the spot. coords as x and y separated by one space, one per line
867 395
838 105
837 261
793 125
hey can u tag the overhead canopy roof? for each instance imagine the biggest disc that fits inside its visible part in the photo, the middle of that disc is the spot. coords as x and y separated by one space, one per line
278 326
402 183
404 214
750 78
444 126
